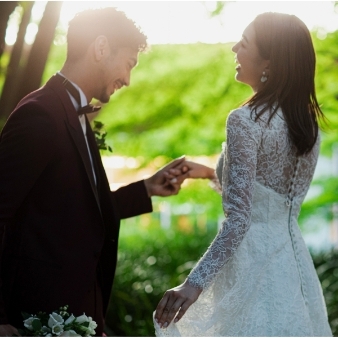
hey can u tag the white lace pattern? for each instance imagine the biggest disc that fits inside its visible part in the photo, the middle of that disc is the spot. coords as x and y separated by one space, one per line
255 151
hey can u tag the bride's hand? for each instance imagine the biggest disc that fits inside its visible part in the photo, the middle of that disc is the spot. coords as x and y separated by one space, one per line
175 300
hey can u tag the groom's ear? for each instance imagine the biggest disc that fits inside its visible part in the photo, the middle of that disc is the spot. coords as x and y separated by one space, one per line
101 48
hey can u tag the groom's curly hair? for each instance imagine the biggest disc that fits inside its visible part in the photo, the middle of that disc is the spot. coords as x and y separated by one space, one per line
87 25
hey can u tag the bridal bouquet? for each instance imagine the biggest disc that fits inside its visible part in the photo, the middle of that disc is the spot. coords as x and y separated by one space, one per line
58 324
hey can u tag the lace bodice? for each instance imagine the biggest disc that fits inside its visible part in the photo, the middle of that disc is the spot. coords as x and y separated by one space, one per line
254 152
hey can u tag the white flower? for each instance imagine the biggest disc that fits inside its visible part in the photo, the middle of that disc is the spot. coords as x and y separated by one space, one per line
81 319
70 333
57 329
28 323
46 330
69 320
92 326
55 319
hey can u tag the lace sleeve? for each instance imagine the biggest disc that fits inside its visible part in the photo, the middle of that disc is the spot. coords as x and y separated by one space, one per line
216 185
243 138
216 182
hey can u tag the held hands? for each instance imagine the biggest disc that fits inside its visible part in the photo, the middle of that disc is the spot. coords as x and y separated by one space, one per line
178 299
192 170
168 180
163 183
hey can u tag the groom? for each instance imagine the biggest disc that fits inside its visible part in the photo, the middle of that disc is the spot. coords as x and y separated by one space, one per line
59 222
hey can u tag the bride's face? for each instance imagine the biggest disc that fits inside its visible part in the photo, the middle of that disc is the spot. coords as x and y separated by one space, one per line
250 65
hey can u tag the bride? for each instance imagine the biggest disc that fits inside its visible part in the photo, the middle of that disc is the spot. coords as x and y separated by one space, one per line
257 277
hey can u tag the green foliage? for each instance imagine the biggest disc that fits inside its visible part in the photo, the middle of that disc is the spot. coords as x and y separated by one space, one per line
151 260
326 86
56 58
323 201
327 94
326 264
220 5
100 136
201 199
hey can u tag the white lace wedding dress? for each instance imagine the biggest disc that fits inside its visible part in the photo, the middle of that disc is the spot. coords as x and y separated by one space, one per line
257 276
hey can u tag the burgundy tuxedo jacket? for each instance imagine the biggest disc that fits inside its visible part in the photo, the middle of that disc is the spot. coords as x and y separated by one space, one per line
59 229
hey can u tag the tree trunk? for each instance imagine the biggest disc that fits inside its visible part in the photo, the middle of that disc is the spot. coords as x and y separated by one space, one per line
14 71
6 9
35 66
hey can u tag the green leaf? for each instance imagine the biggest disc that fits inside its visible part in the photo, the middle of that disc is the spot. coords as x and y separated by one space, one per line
36 324
100 136
25 315
98 124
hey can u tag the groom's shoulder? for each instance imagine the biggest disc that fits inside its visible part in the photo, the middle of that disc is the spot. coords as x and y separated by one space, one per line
40 107
44 99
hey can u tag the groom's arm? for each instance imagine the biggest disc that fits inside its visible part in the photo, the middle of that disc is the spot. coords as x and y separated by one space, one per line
135 199
132 200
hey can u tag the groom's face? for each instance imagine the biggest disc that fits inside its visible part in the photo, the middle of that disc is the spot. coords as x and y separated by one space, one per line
116 70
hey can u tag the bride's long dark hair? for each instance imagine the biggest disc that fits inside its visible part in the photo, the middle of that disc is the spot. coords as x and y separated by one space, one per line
286 42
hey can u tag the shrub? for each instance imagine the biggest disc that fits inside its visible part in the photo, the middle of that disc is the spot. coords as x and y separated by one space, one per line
152 260
326 264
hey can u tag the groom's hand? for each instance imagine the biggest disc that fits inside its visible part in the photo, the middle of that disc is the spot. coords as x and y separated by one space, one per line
7 330
175 303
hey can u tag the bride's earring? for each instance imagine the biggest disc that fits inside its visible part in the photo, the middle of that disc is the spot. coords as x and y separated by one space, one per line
264 77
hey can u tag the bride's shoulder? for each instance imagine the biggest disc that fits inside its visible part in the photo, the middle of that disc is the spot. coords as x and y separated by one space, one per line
242 114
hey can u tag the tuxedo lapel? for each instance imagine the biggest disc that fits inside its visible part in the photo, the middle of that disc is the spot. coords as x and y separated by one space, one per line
75 130
81 145
96 157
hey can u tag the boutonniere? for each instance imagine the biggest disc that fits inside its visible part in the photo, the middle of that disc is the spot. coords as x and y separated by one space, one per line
100 136
57 324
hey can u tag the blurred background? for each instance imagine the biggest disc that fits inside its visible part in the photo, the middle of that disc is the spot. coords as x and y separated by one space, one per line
180 95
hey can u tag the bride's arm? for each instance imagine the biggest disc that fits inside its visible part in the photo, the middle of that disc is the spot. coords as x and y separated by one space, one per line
243 138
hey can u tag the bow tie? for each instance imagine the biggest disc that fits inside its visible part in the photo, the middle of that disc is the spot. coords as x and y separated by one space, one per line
89 108
75 93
